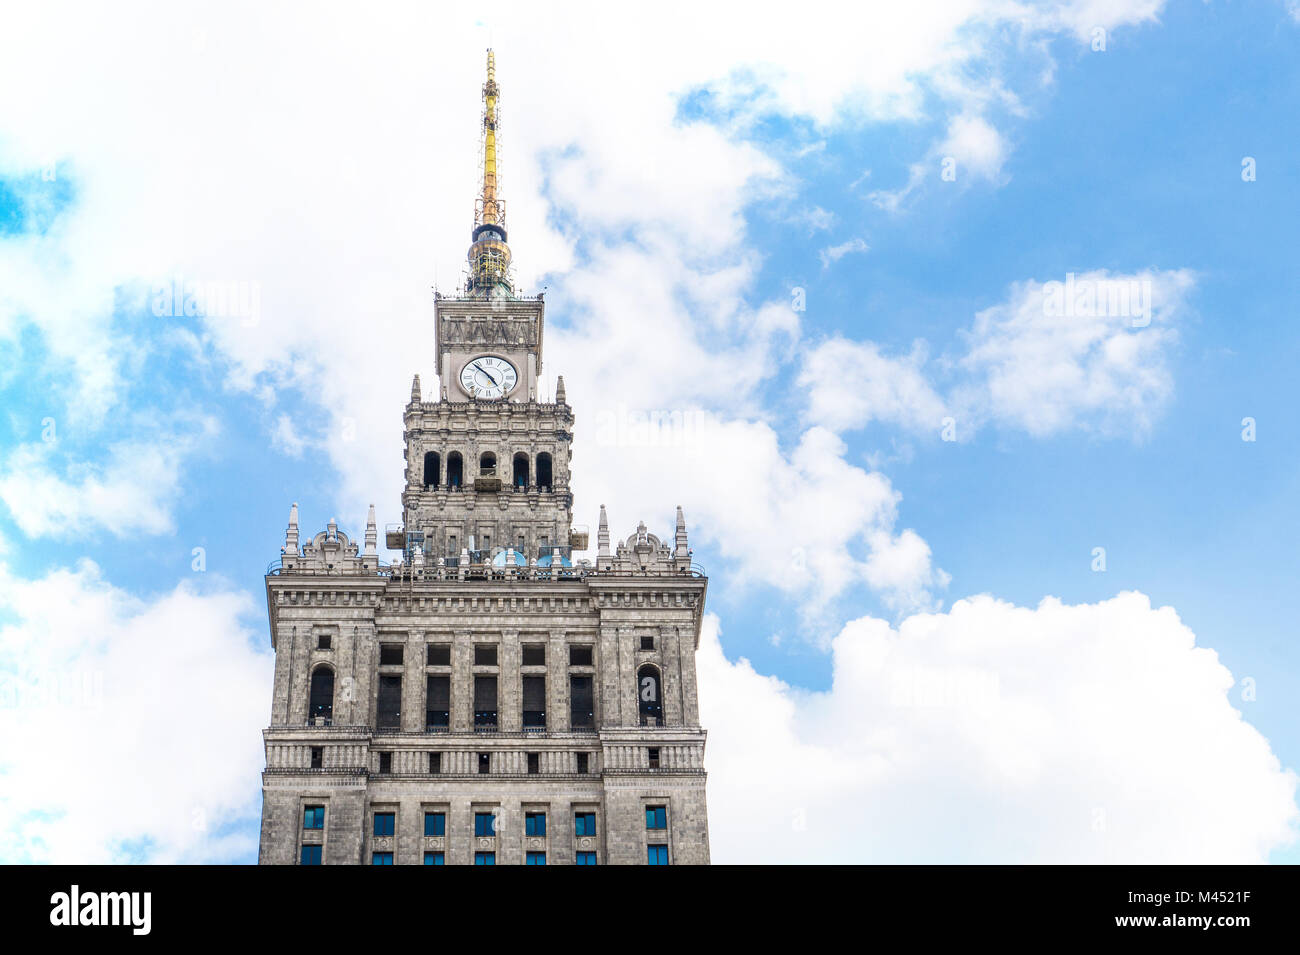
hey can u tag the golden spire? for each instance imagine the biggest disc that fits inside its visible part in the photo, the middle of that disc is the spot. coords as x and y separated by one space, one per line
489 256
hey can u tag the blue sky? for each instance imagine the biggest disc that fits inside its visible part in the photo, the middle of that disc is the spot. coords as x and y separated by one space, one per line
669 270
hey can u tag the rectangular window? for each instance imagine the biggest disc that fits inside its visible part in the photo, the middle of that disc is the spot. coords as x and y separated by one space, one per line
534 702
439 655
582 712
435 763
313 817
485 762
584 823
485 655
586 858
323 641
534 823
652 753
656 817
656 855
485 701
385 762
533 764
389 715
647 643
390 654
534 655
437 702
433 858
485 824
536 858
381 858
385 823
317 757
582 762
310 855
485 858
435 824
580 656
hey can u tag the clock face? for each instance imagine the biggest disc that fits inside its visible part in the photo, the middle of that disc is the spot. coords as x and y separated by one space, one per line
488 377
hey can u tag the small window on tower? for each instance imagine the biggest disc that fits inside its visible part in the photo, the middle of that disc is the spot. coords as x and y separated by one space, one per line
580 656
533 764
317 757
485 655
534 655
390 654
485 762
582 762
647 643
385 762
323 641
435 763
439 655
653 753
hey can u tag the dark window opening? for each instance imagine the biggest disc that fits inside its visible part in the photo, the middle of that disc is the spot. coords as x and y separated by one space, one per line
310 855
432 469
647 643
485 655
390 654
385 823
582 712
580 656
520 470
437 702
534 702
385 762
455 470
435 763
649 701
317 757
485 762
323 641
653 754
534 655
320 704
389 707
533 764
439 655
544 471
487 464
485 701
582 762
313 817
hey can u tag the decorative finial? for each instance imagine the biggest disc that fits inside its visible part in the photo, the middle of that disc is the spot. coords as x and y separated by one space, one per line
415 390
559 391
291 535
372 535
682 551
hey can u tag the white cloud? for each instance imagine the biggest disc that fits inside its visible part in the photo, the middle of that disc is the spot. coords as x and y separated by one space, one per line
1096 733
132 490
131 727
1054 356
285 437
833 253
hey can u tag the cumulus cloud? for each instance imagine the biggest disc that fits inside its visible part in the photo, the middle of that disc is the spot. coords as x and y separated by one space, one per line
131 726
1096 733
1089 351
833 253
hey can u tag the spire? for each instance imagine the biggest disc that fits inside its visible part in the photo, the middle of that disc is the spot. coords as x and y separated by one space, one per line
602 534
291 535
683 551
372 535
489 256
559 391
415 390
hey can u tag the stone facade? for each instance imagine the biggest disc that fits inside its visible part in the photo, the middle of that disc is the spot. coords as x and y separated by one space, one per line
487 674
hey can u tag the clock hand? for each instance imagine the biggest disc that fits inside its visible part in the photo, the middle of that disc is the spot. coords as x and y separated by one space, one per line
489 376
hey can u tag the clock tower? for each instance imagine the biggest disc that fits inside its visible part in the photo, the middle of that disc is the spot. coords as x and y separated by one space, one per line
490 696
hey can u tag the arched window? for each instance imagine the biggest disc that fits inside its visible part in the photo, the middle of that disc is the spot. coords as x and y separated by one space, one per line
455 469
487 464
649 696
521 470
320 705
544 471
432 469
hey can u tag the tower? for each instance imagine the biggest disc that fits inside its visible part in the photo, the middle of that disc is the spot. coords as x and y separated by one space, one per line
490 696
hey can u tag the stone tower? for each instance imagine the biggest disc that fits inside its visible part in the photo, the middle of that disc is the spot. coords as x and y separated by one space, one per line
489 697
